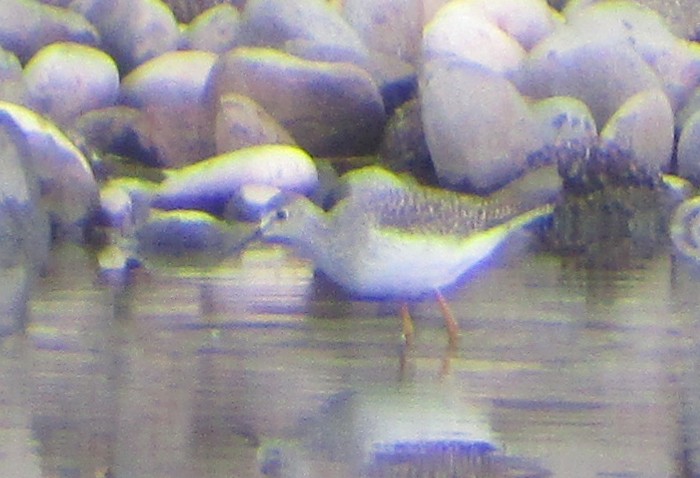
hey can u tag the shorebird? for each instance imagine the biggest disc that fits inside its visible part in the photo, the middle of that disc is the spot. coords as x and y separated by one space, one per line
387 238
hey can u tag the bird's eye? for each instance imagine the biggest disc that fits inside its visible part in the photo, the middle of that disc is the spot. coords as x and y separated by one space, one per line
282 214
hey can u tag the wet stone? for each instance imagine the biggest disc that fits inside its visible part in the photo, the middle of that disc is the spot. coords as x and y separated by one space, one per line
241 122
170 92
216 30
132 31
275 22
482 141
27 26
65 80
331 109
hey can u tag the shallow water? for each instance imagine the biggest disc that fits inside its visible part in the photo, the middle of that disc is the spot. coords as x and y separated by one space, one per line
191 369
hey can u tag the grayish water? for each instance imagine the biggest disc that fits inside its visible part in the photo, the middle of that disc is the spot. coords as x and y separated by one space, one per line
191 369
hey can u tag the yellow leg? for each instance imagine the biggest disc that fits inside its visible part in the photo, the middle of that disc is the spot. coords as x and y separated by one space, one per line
408 332
450 322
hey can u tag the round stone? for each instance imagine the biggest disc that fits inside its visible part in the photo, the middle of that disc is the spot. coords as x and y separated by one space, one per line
65 80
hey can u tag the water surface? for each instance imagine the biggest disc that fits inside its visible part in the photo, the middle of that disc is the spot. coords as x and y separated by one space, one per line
191 370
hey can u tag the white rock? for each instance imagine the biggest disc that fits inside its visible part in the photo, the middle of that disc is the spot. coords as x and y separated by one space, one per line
456 32
478 127
564 120
393 27
643 126
208 185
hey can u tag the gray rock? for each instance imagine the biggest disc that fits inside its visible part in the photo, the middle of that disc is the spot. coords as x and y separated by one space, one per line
331 109
216 30
24 225
241 122
68 188
275 22
688 153
170 91
65 80
478 127
208 185
12 88
132 31
26 26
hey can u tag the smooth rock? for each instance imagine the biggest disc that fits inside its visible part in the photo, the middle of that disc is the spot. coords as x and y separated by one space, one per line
275 22
252 201
170 91
186 10
241 122
183 232
688 152
643 126
601 74
65 80
392 27
480 141
331 109
27 25
563 121
113 130
208 185
24 225
132 31
684 228
526 21
125 204
456 33
676 62
68 188
216 30
12 87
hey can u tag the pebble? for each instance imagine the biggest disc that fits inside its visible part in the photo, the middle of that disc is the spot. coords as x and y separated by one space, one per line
331 109
68 188
208 185
273 23
182 232
132 31
24 225
241 122
28 25
392 27
644 127
65 80
688 153
457 33
216 30
482 141
12 88
564 120
170 92
601 74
